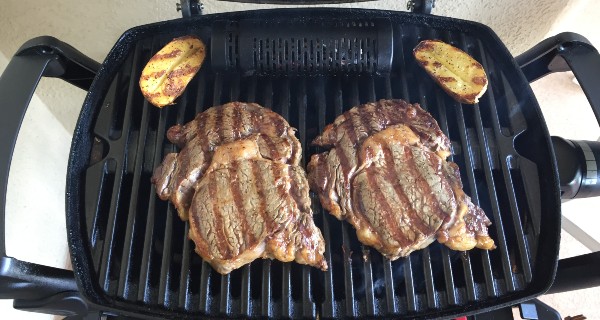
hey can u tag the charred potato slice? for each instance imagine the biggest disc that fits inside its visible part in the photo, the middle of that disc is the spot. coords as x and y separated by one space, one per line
171 69
461 76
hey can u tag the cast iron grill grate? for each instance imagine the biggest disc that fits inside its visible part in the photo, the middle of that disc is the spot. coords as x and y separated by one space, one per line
141 254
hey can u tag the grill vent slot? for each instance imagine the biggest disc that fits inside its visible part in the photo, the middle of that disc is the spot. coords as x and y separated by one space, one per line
303 47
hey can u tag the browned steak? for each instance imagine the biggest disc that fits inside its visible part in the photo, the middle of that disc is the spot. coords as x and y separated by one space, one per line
238 181
387 175
246 207
360 122
198 139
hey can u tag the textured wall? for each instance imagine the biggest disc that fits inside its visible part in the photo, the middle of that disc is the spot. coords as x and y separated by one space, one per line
94 26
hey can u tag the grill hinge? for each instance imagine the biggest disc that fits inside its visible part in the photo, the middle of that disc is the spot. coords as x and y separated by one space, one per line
420 6
190 8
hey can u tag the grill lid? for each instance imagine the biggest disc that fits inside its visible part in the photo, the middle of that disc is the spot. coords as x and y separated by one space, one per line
132 254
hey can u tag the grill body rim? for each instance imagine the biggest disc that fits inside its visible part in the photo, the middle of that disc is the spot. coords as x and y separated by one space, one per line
82 145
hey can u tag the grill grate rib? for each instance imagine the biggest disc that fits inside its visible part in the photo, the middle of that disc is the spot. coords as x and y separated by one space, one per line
108 257
141 251
508 183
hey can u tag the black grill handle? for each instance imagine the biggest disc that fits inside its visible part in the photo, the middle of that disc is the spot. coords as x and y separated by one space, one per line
578 161
418 6
28 283
296 2
563 52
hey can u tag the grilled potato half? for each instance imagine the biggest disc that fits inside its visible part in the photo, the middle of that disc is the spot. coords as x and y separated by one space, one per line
454 70
171 69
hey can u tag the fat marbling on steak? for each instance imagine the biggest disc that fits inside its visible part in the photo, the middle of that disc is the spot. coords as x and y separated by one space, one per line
238 182
386 173
175 177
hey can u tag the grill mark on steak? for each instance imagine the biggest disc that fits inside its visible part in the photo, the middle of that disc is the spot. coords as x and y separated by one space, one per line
262 201
163 174
347 167
247 122
280 127
214 215
444 192
207 124
296 147
226 125
282 191
392 175
350 129
236 193
219 113
205 226
386 221
202 245
370 119
255 223
299 190
404 235
322 180
423 195
237 124
358 125
271 145
228 212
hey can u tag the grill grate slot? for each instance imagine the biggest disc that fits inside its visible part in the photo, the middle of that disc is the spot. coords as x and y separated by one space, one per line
146 262
224 304
141 251
348 269
131 270
129 266
501 240
523 249
368 277
409 283
205 298
110 252
185 282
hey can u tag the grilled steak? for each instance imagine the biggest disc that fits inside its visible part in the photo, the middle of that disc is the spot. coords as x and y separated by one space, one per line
238 181
246 207
387 175
175 177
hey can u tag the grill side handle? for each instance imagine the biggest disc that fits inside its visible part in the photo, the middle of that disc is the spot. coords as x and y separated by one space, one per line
36 287
578 161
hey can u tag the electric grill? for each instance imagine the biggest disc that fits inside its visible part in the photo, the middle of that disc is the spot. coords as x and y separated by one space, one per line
131 255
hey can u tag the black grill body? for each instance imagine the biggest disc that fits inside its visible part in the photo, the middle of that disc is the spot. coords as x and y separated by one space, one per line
131 254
